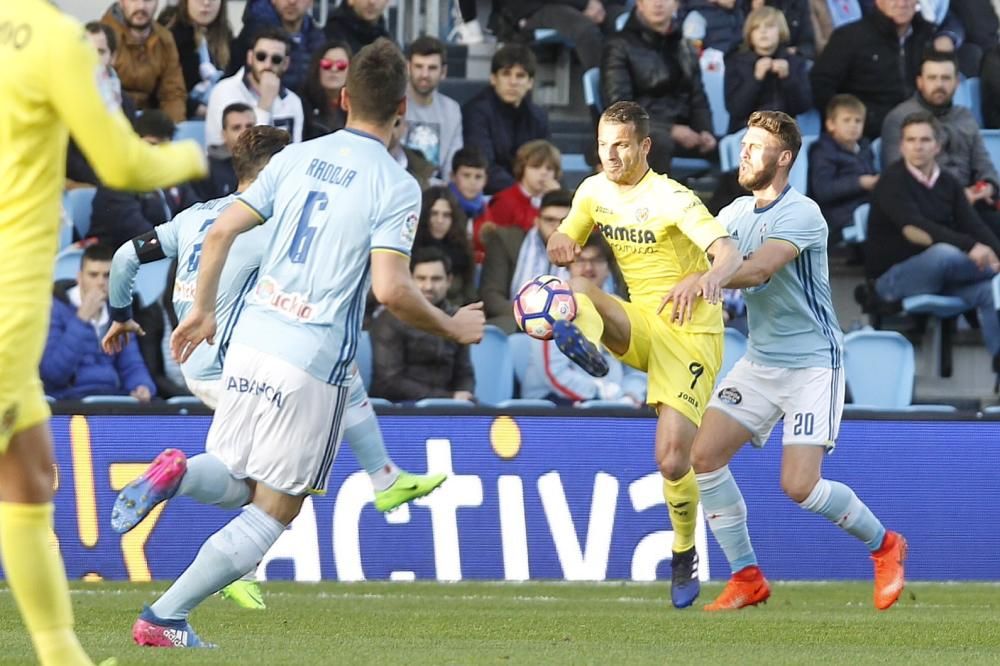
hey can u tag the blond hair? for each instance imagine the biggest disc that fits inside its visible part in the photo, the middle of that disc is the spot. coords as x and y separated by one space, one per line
766 15
537 153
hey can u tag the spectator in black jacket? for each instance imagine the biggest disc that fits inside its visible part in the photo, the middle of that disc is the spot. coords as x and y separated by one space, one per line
502 117
649 62
764 75
990 90
925 238
841 164
291 15
583 22
358 23
119 216
410 364
798 14
202 34
321 97
222 179
875 59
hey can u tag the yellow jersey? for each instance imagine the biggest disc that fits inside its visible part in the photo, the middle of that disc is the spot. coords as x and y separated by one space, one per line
48 90
659 231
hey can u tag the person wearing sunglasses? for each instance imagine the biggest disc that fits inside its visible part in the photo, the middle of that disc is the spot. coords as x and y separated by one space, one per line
258 85
296 18
321 100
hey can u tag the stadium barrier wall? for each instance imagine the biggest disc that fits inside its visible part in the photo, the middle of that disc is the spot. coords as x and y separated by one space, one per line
560 496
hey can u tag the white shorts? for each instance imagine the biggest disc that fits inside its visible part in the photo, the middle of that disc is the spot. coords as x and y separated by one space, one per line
276 423
810 399
206 390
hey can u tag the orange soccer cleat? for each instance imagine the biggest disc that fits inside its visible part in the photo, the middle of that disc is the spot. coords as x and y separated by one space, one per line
747 587
889 580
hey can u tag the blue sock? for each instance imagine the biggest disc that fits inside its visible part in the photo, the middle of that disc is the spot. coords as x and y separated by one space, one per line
208 481
227 555
363 434
840 505
727 516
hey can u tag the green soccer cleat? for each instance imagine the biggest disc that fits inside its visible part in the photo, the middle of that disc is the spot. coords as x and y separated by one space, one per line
406 488
245 594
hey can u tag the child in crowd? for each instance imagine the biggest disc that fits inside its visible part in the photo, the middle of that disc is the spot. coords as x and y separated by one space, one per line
468 180
841 164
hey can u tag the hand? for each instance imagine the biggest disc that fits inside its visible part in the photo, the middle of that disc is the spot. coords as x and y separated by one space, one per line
467 324
780 67
117 336
562 249
141 393
984 257
91 304
710 287
708 142
683 296
685 136
868 182
762 68
464 395
196 328
595 11
269 86
981 191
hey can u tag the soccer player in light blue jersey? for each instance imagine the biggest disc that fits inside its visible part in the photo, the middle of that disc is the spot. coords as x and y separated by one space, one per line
344 212
171 474
792 369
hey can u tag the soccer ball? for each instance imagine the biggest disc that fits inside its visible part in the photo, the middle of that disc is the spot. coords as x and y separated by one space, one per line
542 301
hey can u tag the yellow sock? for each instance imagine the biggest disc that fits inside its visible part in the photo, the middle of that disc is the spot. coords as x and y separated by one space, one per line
682 504
35 573
588 319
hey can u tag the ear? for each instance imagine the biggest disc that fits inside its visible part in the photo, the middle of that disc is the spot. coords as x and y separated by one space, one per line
785 159
646 145
345 100
400 110
444 71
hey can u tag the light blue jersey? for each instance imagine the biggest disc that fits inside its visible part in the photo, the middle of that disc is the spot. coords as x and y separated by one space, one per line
333 201
181 238
791 318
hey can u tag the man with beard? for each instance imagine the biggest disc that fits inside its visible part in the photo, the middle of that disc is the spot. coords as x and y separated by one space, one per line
434 120
146 60
659 232
963 153
258 85
792 369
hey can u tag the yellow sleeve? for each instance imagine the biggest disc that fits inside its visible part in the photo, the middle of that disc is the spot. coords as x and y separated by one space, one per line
579 222
695 221
121 159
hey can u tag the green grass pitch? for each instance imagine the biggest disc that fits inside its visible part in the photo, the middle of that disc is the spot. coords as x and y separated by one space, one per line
545 623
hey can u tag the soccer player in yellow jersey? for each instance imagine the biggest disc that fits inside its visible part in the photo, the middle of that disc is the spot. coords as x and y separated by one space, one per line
660 232
49 88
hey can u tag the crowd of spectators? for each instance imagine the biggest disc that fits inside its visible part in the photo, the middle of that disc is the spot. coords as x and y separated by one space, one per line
491 173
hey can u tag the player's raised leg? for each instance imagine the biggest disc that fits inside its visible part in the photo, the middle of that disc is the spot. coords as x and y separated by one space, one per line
802 481
600 318
719 438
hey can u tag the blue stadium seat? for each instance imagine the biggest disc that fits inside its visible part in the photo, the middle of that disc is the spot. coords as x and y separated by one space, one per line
996 291
810 123
604 404
494 370
517 403
969 95
519 345
879 368
843 12
943 311
363 357
185 401
381 402
858 232
622 19
443 402
734 349
877 152
729 150
992 409
191 129
68 263
991 137
109 400
798 177
713 79
150 281
79 203
49 399
592 92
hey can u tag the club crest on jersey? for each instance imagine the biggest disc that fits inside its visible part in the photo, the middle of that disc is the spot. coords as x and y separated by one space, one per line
641 215
268 292
730 396
409 231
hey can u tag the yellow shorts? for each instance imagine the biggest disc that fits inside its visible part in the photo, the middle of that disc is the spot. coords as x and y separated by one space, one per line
23 329
681 366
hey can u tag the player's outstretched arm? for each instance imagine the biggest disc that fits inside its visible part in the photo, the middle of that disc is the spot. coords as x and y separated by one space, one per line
726 260
562 249
767 260
394 289
120 158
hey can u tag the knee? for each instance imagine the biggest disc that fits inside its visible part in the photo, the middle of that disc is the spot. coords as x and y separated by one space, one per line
797 488
283 508
945 254
704 461
673 463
